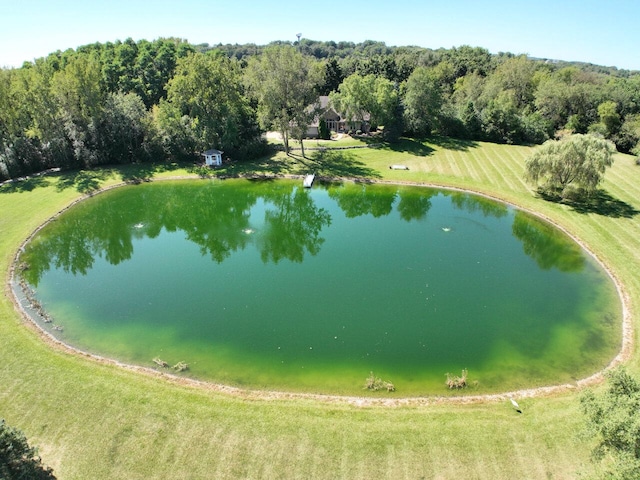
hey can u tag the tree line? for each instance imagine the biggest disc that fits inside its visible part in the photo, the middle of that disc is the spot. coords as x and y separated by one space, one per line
123 102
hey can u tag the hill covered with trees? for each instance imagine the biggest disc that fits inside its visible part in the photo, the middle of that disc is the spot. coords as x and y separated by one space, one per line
129 101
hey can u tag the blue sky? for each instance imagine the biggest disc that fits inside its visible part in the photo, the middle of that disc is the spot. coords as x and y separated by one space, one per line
603 32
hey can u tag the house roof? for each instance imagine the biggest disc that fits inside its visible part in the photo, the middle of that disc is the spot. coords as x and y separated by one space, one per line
325 107
324 101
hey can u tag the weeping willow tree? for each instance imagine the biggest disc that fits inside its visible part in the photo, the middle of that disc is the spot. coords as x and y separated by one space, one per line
573 162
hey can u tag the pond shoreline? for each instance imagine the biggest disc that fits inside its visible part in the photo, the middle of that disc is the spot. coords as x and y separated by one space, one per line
360 401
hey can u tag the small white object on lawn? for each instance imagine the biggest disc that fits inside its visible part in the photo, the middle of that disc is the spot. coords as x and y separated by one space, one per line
515 404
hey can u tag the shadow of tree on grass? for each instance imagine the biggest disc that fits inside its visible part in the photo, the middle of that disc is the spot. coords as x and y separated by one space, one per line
24 184
87 181
449 143
422 147
84 181
144 172
409 145
600 202
335 163
266 166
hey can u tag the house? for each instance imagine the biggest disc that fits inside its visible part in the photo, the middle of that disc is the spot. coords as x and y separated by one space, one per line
335 121
212 158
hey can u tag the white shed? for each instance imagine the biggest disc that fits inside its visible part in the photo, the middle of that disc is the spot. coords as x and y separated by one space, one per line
213 158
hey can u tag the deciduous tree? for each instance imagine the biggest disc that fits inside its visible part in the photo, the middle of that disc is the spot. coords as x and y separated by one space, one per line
285 84
367 98
205 102
575 160
609 117
423 101
628 139
80 98
124 129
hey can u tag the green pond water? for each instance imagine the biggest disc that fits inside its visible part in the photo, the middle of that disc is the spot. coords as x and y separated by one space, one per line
266 285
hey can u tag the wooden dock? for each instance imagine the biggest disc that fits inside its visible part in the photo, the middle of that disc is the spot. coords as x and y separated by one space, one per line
308 181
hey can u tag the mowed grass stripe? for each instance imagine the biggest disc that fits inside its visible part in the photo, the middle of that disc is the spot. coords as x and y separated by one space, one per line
449 163
494 163
473 162
623 179
470 163
514 164
454 161
480 158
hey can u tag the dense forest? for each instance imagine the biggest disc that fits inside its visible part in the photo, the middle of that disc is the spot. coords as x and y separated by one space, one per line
167 99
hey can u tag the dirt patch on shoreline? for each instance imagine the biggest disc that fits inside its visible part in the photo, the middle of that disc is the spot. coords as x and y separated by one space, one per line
14 291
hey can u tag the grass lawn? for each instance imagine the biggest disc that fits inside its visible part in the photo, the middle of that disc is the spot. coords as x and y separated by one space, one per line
99 421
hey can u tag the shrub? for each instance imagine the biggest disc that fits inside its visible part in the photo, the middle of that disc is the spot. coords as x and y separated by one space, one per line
323 130
612 421
455 382
376 383
18 460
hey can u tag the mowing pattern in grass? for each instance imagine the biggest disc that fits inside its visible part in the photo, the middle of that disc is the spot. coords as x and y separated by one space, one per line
97 421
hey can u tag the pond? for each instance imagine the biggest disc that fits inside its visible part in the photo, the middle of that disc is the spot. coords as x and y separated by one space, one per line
267 285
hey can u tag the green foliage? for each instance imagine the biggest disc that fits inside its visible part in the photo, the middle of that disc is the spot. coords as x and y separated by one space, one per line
355 98
367 99
518 76
609 117
323 130
285 84
423 100
569 96
333 77
68 110
500 120
176 131
79 98
395 124
87 107
143 68
535 129
126 130
208 105
613 420
471 121
466 59
628 138
575 160
18 460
